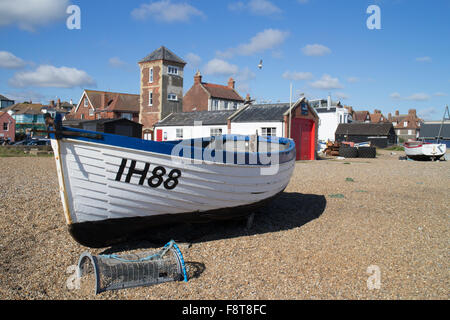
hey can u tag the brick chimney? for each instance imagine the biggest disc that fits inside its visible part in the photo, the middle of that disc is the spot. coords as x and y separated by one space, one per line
197 78
397 113
231 83
412 112
104 99
58 103
52 103
390 117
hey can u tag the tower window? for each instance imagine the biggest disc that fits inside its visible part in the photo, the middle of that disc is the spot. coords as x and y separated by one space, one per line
150 77
150 98
172 97
172 70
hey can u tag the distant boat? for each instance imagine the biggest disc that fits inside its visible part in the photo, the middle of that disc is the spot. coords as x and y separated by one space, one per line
424 151
114 187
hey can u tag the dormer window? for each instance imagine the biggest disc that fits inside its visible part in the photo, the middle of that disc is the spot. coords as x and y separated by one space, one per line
172 70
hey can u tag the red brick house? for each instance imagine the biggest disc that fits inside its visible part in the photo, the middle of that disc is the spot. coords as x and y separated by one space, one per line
96 105
407 126
7 127
203 96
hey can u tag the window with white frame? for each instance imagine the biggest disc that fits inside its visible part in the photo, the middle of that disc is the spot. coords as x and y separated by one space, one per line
172 97
150 77
235 105
215 104
91 112
172 70
405 124
86 102
179 133
150 98
269 131
215 132
225 105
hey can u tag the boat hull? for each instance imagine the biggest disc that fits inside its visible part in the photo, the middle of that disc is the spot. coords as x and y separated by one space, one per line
424 151
111 193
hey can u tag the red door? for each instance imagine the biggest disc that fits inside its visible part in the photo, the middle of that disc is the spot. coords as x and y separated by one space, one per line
159 135
303 133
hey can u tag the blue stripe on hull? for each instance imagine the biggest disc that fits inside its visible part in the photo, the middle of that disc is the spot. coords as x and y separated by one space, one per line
192 148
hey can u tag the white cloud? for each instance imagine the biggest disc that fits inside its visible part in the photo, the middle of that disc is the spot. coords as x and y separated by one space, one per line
264 40
326 83
427 113
116 62
245 75
256 7
353 79
414 97
193 60
440 94
51 76
27 95
166 11
10 61
29 14
315 50
293 75
342 96
220 67
424 59
395 95
418 97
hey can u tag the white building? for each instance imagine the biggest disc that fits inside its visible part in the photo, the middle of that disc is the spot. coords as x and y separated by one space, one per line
331 114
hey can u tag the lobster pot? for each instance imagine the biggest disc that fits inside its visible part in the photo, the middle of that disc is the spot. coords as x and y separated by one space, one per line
114 272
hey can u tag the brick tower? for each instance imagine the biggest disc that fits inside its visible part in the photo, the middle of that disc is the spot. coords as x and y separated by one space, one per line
161 88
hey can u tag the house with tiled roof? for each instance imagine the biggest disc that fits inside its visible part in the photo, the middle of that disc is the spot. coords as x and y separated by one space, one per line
378 117
94 105
27 116
7 127
407 126
204 96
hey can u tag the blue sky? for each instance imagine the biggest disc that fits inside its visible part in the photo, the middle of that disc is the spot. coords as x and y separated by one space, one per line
320 46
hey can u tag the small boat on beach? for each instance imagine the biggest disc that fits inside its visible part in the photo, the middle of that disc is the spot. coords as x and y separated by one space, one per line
424 151
115 187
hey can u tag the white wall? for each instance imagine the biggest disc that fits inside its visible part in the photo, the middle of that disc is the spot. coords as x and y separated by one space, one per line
329 122
248 128
189 132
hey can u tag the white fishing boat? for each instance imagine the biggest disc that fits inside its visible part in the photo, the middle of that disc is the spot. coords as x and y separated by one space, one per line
113 187
424 151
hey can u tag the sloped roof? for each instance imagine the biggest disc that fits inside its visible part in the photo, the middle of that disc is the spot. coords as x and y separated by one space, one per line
361 115
115 101
25 108
162 53
364 129
188 118
3 98
262 112
222 92
431 130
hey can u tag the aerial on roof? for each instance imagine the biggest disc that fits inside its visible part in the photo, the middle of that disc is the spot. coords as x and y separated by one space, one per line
366 129
162 53
194 118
